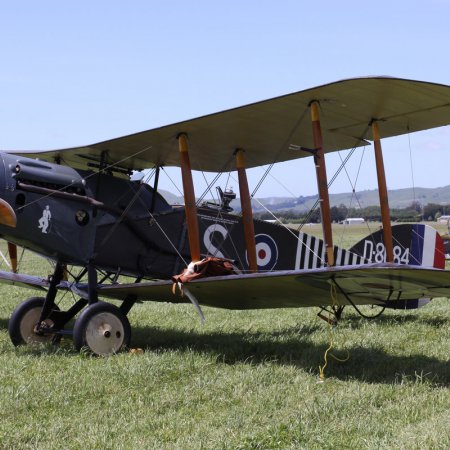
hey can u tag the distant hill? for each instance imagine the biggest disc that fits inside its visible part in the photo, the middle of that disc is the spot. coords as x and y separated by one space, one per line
171 198
398 198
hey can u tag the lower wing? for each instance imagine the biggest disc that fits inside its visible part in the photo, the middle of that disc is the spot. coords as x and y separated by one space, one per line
374 284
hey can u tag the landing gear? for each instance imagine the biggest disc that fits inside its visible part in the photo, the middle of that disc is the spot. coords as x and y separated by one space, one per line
103 328
25 323
337 311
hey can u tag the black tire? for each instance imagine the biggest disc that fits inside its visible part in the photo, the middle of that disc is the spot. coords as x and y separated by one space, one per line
103 329
24 319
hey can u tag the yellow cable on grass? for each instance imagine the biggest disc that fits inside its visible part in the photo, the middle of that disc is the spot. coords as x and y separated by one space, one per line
334 302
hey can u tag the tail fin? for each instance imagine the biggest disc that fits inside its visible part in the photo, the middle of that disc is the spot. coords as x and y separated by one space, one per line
414 244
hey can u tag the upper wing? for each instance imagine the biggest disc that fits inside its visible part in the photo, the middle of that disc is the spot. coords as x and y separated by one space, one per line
268 129
365 284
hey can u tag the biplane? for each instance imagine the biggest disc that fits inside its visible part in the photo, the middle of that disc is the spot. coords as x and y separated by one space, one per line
124 242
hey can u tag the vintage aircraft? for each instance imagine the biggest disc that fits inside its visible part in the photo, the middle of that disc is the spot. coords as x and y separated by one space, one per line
79 207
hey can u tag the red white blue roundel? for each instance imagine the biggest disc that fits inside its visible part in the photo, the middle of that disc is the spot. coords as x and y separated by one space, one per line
266 252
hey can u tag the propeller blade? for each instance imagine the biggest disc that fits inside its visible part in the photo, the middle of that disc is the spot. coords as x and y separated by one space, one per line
7 214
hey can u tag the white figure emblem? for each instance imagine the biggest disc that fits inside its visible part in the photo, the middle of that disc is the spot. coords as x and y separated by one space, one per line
44 221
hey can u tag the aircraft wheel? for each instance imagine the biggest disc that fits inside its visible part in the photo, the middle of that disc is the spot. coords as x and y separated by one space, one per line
24 320
103 328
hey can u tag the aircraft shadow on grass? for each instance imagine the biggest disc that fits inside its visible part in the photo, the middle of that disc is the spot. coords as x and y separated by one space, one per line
293 347
437 321
289 347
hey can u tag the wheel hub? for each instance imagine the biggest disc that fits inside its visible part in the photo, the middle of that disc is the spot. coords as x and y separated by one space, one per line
105 334
33 332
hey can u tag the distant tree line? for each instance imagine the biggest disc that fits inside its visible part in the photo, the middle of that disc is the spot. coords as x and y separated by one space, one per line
412 213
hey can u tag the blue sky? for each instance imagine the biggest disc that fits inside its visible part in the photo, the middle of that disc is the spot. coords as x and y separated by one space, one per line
75 73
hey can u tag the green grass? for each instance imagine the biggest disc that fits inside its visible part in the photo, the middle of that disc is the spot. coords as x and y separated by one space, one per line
244 380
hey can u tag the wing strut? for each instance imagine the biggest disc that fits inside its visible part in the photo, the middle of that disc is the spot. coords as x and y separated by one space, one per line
189 199
12 249
322 183
155 189
382 191
247 214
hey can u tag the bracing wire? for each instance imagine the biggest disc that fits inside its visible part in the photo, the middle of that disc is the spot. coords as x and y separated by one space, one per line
412 168
353 185
283 145
124 213
168 238
145 180
208 189
230 234
105 169
173 182
316 204
293 233
139 198
342 166
218 175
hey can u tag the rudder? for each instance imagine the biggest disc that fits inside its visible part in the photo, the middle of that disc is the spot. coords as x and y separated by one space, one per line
414 244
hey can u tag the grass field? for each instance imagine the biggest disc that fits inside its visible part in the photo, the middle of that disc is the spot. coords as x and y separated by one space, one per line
244 380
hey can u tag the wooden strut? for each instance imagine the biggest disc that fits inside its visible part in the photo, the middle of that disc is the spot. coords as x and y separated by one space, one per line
322 183
190 206
247 213
12 250
382 191
155 190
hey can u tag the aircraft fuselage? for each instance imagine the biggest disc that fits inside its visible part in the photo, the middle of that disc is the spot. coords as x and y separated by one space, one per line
83 217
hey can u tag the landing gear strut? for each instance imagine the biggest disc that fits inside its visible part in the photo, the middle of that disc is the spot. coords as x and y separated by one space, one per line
102 328
35 320
333 316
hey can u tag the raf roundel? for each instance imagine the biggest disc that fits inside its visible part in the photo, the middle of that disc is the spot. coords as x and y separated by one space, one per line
266 252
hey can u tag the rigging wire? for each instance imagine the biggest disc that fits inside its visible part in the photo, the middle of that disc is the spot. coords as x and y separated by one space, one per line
343 166
5 260
108 167
136 196
139 198
218 175
208 188
283 145
353 185
230 234
168 176
313 208
219 248
124 213
290 231
144 180
411 164
168 239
